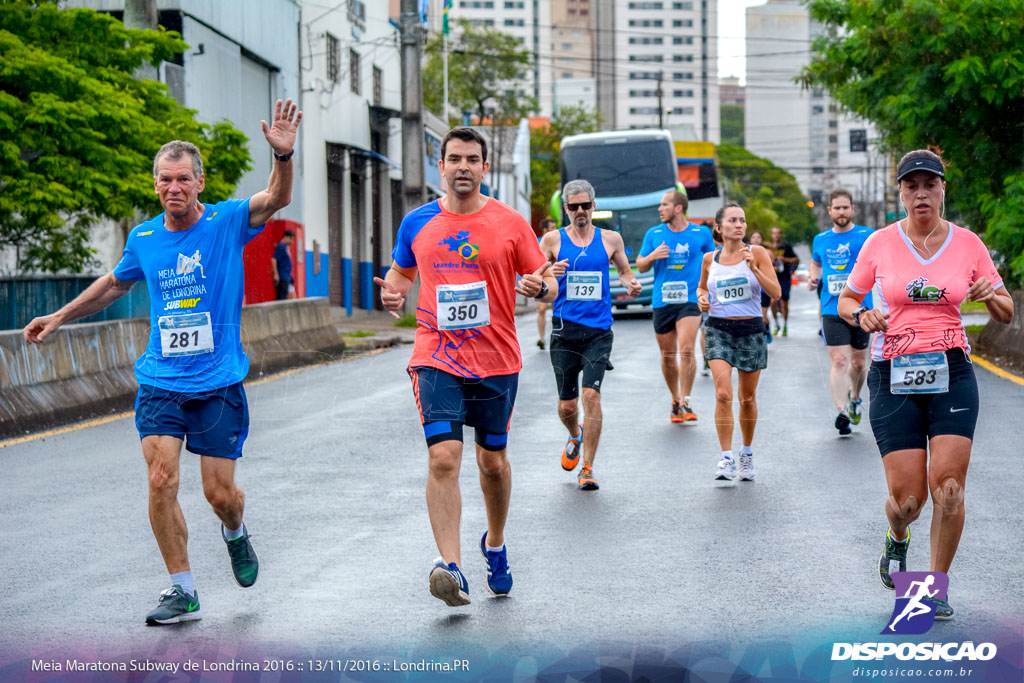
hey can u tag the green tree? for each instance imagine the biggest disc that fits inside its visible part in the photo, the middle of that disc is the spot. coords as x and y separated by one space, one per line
545 176
760 214
731 117
484 66
78 133
949 75
760 186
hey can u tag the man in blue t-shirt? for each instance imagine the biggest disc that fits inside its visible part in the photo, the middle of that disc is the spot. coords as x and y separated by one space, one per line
281 267
190 376
833 254
675 249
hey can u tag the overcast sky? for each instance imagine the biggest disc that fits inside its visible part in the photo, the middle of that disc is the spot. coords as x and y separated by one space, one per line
732 25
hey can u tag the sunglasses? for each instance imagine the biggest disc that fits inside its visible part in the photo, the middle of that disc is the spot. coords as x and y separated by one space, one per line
586 206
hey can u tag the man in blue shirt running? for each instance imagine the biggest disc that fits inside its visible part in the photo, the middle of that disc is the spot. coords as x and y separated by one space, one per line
833 254
190 376
675 249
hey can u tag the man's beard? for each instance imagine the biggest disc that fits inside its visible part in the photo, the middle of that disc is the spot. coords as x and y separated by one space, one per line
841 221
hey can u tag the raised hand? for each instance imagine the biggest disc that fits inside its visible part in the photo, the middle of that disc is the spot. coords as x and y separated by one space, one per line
531 283
558 269
280 134
392 299
660 253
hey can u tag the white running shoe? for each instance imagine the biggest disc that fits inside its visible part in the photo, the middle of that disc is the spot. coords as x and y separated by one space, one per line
746 467
726 469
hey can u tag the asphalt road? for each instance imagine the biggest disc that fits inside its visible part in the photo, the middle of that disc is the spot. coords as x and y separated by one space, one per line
662 556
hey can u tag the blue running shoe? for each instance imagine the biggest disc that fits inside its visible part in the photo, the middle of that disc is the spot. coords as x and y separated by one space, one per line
448 583
499 576
943 612
853 407
894 551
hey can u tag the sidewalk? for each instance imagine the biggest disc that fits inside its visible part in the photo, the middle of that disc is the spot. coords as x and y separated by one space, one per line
366 331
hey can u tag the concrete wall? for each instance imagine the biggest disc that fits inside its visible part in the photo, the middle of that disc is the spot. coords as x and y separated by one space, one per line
87 370
1006 341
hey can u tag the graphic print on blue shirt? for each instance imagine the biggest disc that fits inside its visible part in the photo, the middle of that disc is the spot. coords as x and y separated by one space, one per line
686 250
836 252
584 293
196 283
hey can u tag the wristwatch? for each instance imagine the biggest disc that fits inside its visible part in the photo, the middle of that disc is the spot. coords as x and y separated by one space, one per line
284 157
856 315
543 291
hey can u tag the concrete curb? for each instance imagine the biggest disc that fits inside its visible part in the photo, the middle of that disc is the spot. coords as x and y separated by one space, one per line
1006 342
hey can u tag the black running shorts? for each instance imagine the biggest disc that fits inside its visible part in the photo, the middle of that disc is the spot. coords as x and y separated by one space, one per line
908 421
665 317
578 349
837 332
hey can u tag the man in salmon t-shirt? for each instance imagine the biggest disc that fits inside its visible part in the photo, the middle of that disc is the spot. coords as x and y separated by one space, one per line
467 249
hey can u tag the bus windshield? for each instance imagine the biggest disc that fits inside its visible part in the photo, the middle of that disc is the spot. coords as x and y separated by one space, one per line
632 224
620 166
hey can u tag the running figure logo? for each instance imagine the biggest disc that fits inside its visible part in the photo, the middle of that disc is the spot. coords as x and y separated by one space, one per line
914 612
187 264
921 292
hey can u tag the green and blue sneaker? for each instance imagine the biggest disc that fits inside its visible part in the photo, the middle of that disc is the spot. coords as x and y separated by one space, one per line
943 612
245 563
175 606
894 551
853 407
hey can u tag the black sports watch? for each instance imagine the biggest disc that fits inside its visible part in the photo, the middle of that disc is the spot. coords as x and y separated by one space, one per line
856 315
284 157
543 291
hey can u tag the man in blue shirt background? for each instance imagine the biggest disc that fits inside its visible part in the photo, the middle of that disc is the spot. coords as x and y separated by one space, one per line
190 375
281 267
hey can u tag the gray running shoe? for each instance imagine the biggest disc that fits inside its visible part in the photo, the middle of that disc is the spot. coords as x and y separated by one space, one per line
943 612
175 607
894 551
726 469
746 467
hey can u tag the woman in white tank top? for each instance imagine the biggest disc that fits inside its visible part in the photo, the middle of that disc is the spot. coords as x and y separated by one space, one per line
731 282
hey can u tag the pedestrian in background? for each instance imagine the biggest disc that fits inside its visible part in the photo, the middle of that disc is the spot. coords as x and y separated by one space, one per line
281 267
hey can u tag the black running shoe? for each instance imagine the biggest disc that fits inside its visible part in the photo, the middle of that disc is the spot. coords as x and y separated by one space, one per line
894 551
175 607
843 424
943 612
245 564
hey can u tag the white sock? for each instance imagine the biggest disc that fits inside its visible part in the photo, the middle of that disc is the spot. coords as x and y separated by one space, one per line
494 550
185 580
233 534
746 450
727 455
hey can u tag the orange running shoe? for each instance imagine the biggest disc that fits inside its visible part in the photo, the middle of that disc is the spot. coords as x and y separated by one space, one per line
571 452
687 411
677 414
586 479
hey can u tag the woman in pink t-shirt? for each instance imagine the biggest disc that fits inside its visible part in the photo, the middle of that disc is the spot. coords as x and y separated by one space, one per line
924 396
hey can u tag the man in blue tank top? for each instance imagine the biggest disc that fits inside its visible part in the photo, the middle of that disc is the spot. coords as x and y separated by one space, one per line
190 375
581 321
675 249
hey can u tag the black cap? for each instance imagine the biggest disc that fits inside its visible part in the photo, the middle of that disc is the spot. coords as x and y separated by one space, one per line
288 233
929 164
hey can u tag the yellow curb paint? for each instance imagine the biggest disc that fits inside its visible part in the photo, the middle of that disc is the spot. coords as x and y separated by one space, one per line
130 413
994 369
65 430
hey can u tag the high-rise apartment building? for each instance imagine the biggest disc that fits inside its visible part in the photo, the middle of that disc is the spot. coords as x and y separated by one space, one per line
803 131
669 46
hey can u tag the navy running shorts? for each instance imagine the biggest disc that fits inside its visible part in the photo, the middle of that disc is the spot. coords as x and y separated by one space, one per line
786 283
837 332
579 349
907 421
447 402
665 317
213 423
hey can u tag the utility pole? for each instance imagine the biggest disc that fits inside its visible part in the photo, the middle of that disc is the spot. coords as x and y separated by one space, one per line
661 105
142 14
413 180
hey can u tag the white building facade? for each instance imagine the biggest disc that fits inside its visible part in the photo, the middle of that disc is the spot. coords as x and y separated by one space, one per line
805 131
